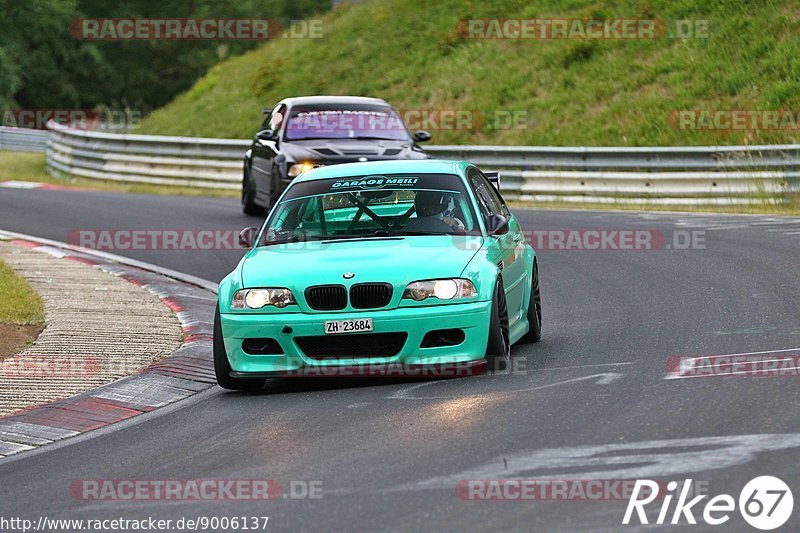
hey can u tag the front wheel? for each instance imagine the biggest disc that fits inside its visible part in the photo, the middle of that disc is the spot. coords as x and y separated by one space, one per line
222 368
249 205
498 348
534 309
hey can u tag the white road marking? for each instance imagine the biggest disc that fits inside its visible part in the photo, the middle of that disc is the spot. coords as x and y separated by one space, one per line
584 366
746 353
404 394
20 184
650 459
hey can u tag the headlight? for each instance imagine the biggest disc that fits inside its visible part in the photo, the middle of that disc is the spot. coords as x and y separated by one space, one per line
258 298
443 289
298 168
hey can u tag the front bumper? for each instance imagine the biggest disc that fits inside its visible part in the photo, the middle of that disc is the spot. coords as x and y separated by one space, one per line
472 318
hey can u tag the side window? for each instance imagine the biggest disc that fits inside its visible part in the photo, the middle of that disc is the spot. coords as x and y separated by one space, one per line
495 194
274 119
488 199
277 118
265 123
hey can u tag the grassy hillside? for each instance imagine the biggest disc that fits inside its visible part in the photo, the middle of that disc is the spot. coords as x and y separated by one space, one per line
571 92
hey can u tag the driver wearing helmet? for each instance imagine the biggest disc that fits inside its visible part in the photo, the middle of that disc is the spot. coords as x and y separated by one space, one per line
435 213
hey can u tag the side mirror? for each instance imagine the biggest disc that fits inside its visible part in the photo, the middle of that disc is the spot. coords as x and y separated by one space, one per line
496 225
247 237
266 135
421 136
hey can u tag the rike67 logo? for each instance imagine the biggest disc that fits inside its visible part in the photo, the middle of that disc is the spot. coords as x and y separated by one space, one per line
765 503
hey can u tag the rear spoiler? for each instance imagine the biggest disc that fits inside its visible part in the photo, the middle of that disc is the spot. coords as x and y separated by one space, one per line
493 177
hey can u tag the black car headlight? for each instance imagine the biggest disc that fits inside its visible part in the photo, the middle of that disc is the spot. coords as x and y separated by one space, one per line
298 168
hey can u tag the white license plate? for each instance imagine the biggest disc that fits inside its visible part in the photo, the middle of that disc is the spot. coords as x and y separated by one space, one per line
348 326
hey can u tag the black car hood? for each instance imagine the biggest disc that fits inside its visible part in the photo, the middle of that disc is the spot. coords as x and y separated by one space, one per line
332 151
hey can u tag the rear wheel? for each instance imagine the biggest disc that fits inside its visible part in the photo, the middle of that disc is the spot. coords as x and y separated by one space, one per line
498 348
249 206
222 367
534 309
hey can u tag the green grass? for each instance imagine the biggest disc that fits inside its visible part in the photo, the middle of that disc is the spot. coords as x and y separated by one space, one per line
19 304
26 166
572 92
22 166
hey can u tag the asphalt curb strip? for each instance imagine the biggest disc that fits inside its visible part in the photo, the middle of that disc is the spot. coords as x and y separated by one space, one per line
186 372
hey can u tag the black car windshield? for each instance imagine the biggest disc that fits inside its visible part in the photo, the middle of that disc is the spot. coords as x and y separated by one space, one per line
345 122
372 206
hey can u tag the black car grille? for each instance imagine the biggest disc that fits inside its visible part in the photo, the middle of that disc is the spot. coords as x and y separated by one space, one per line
370 295
352 345
326 297
360 152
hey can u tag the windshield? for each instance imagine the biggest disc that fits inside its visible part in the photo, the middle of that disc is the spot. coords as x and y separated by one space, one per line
345 122
372 206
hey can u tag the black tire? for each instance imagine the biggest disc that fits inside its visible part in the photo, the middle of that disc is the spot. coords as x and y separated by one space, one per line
534 309
222 367
498 348
249 206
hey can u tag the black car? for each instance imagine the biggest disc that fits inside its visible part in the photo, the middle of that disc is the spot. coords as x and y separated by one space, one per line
301 133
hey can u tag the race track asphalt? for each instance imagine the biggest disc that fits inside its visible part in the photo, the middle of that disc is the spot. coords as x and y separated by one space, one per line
389 454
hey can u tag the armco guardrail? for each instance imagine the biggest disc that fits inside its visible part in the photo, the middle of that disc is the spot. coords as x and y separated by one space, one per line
669 175
22 139
155 159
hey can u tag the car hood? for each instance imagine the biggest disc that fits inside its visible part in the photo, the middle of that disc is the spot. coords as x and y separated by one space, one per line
333 151
395 260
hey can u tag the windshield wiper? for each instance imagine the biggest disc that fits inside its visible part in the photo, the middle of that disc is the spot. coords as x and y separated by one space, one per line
376 235
415 233
295 239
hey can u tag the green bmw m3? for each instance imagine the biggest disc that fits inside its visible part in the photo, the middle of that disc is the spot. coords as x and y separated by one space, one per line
381 268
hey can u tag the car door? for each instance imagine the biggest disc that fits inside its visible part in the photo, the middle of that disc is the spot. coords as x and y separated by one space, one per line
507 249
265 149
